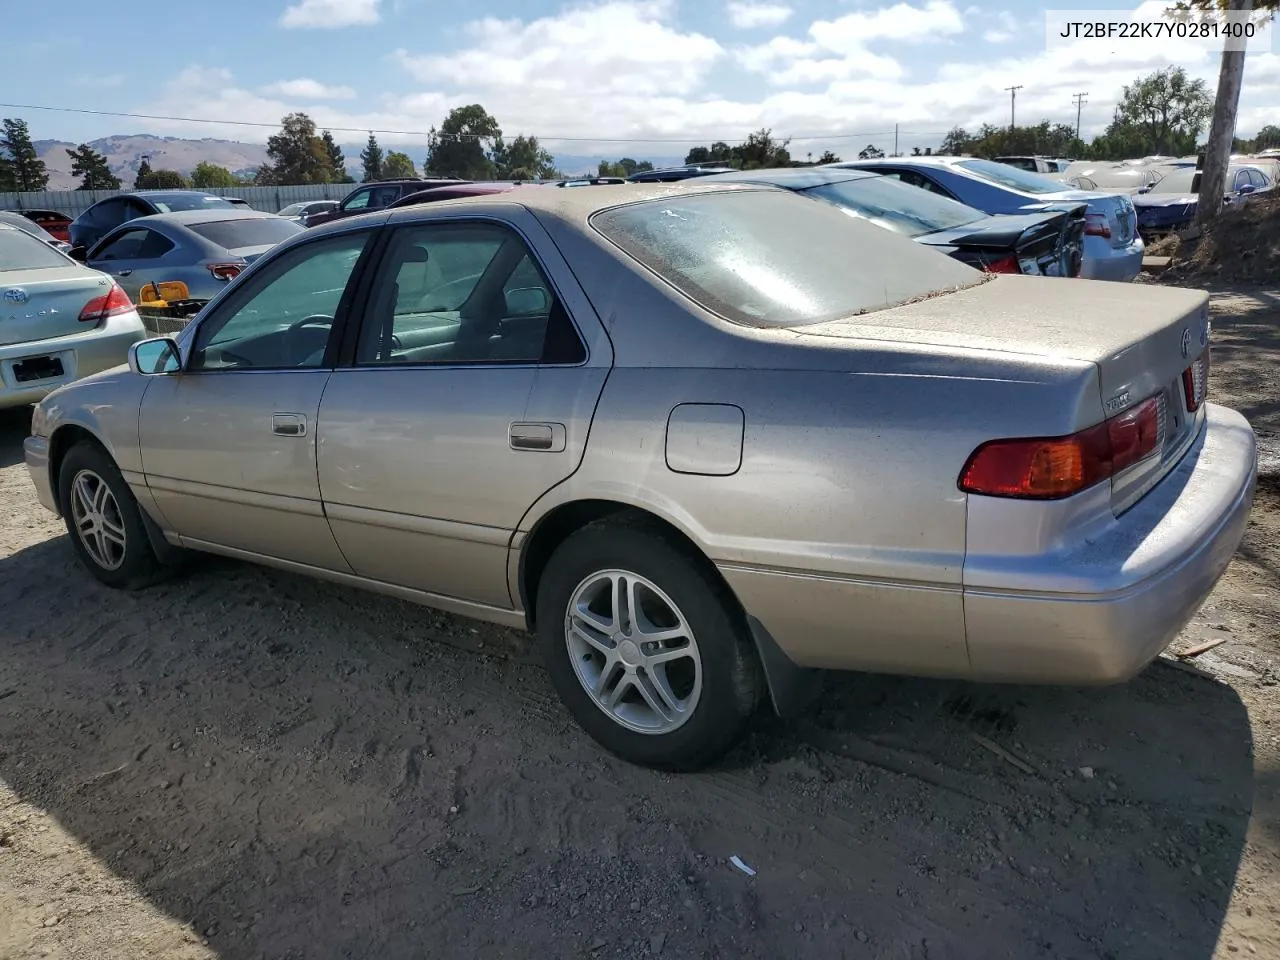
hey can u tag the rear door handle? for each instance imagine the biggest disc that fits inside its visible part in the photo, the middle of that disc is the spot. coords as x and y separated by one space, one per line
289 424
123 273
543 437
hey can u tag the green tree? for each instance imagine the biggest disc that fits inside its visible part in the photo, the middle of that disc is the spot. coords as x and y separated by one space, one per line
144 172
460 148
718 152
956 142
265 176
211 175
371 158
522 159
622 168
398 166
161 180
20 167
1268 137
870 152
828 157
91 167
297 153
337 162
1164 111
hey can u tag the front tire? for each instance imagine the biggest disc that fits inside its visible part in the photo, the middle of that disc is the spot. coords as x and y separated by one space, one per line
646 646
104 520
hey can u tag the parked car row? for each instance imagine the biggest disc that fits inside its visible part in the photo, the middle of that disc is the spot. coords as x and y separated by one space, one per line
703 441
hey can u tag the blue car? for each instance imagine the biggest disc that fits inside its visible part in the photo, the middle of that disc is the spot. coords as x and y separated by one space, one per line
1171 205
1112 247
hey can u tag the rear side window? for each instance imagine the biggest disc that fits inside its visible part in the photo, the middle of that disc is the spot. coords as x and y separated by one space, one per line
21 251
250 232
771 258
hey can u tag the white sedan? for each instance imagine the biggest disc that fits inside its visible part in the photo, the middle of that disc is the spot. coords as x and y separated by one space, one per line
59 321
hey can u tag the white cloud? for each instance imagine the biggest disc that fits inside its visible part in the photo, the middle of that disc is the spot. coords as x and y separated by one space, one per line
997 36
749 16
619 48
330 13
304 88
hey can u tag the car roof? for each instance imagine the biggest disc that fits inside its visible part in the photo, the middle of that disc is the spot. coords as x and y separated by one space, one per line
161 194
931 161
185 218
574 206
794 178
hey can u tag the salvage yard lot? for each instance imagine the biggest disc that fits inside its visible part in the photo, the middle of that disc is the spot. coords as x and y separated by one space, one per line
244 764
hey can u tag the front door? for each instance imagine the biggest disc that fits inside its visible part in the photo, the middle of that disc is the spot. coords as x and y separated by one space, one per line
470 396
229 444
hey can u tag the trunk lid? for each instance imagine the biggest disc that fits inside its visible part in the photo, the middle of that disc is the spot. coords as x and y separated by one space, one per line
1117 208
46 303
1141 339
1041 242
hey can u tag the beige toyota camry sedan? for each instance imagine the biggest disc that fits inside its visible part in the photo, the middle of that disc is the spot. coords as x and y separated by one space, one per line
704 441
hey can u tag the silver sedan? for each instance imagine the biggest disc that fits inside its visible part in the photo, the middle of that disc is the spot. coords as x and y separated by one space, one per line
204 249
701 440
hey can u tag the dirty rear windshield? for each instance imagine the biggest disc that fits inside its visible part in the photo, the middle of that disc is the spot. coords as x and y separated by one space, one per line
20 250
249 232
773 259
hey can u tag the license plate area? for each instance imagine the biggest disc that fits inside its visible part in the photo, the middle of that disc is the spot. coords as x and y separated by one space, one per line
37 368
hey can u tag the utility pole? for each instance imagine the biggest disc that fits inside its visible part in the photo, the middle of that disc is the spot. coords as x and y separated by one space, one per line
895 140
1080 100
1013 98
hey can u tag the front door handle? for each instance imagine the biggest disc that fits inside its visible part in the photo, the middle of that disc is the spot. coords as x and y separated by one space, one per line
123 273
543 437
289 424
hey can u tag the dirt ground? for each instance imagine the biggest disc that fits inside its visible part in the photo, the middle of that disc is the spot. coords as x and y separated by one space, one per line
244 764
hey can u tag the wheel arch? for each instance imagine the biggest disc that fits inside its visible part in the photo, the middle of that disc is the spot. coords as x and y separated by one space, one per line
791 687
61 441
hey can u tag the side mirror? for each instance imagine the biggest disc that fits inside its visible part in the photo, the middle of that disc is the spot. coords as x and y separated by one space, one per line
155 357
527 301
79 254
1247 188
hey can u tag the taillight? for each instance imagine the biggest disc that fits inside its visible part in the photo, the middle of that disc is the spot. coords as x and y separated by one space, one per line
1096 225
225 271
1051 468
108 305
1004 265
1195 382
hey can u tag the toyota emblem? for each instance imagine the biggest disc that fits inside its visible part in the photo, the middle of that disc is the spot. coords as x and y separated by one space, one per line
1186 342
16 295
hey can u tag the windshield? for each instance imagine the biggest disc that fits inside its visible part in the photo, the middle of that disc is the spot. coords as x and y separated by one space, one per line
178 201
1179 181
770 258
20 250
891 203
1012 177
292 210
249 232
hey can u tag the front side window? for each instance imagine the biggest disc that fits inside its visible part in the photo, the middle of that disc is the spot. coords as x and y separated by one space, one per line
772 259
450 293
358 202
283 315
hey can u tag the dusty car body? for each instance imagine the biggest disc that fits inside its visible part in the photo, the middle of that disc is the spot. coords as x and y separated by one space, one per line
690 439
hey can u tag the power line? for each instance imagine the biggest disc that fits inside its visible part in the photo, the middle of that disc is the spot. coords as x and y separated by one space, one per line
458 137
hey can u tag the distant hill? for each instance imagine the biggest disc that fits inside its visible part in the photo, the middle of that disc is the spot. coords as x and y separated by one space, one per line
125 152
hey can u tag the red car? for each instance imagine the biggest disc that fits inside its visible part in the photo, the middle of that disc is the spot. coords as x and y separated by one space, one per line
52 221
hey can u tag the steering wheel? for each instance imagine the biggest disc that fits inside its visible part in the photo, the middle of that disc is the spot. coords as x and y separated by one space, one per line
315 320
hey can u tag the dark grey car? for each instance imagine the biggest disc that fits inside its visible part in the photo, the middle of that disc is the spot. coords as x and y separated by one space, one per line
204 249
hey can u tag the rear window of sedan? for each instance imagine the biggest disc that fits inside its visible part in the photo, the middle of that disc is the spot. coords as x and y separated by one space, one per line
891 203
772 259
20 250
1012 177
250 232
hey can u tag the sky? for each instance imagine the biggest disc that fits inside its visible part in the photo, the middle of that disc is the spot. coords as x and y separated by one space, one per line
612 77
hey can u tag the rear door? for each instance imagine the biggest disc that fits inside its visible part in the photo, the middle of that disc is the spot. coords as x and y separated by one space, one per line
469 395
229 444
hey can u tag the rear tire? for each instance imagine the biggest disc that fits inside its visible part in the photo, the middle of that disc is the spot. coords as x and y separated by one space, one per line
646 646
104 520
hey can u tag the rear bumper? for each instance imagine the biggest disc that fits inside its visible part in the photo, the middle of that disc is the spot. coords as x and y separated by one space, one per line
81 355
1101 261
1105 608
1095 611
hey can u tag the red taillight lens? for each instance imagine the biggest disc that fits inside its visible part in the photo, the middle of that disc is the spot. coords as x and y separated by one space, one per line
1195 382
108 305
1004 265
1051 468
1095 225
225 271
